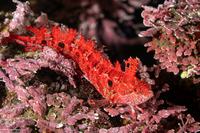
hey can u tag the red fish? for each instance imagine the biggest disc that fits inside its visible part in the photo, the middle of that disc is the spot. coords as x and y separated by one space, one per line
115 85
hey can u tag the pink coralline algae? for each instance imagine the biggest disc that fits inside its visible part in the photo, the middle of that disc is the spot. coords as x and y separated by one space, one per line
15 69
19 17
176 34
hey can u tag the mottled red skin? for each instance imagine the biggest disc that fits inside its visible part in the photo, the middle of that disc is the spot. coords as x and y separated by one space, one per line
115 85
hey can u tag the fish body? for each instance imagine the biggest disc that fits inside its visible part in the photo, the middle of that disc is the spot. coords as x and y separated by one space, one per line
115 85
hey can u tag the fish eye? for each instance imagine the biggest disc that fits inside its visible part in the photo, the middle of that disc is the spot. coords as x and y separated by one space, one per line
110 83
44 42
60 44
